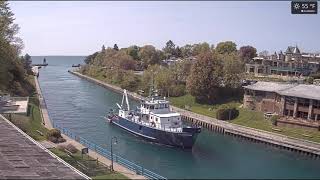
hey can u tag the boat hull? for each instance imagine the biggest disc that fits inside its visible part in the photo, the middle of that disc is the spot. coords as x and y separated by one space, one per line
184 139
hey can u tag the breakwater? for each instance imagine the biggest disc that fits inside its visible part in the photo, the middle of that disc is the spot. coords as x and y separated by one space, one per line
259 136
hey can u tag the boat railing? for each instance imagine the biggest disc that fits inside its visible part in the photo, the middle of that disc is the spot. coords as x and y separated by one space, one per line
106 153
161 128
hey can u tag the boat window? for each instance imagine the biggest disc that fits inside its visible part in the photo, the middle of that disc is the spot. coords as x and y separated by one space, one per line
152 107
166 105
156 106
157 119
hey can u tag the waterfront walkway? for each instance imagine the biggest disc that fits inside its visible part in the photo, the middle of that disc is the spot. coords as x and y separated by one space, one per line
227 127
48 124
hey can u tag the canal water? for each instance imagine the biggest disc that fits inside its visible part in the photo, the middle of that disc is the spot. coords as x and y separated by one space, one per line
79 106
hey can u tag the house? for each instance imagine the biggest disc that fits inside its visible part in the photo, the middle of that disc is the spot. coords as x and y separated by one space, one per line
290 63
297 104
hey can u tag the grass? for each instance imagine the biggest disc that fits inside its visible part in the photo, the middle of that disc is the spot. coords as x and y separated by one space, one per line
246 118
88 165
188 102
32 123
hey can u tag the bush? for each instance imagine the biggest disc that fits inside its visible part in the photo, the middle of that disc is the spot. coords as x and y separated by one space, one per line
177 90
227 113
54 135
274 119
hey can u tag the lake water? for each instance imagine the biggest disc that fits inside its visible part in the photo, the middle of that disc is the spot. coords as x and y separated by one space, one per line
79 106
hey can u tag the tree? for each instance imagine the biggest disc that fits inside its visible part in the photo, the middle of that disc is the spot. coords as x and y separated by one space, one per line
246 53
205 78
149 55
186 50
264 53
232 70
226 47
200 48
89 58
169 49
12 73
115 47
133 51
26 60
178 52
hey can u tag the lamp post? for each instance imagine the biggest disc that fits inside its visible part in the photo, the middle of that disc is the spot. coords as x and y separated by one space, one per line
115 142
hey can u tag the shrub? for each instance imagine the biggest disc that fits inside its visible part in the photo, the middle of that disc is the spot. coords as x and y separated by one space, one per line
274 119
177 90
227 113
54 135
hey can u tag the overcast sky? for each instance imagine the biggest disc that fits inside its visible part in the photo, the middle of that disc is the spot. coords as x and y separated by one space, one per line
80 28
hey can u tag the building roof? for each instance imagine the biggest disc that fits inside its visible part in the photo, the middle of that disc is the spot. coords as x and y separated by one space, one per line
21 157
295 90
269 86
303 91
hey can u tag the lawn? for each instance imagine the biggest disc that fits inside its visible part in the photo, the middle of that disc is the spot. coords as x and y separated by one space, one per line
88 165
33 122
188 102
246 117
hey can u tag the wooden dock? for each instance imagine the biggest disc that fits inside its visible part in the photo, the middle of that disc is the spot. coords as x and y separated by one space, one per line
255 135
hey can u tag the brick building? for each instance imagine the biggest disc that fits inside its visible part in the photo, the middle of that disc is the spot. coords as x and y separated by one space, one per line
295 103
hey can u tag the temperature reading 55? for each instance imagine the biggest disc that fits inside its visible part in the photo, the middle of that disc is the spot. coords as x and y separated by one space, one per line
302 7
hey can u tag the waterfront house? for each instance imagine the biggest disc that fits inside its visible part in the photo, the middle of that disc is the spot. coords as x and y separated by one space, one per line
297 104
292 63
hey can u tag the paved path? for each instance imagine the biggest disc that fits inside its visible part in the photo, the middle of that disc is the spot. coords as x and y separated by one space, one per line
47 123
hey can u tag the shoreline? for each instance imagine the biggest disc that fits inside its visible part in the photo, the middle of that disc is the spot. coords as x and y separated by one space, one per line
212 124
50 125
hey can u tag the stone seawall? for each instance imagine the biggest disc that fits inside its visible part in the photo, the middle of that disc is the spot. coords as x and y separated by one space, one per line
212 124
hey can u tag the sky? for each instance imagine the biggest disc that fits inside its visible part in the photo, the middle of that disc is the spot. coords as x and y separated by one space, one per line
82 27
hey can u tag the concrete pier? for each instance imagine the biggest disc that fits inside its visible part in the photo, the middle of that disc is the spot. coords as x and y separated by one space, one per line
212 124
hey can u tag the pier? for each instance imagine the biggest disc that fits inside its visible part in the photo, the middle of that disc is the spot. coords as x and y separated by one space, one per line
255 135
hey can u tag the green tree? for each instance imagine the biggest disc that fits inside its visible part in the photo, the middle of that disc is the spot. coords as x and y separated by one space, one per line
186 50
133 51
205 78
233 70
149 55
12 73
89 58
246 53
200 48
226 47
169 49
115 47
26 60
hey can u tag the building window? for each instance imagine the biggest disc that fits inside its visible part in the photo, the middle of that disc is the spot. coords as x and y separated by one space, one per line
316 104
260 93
303 102
290 100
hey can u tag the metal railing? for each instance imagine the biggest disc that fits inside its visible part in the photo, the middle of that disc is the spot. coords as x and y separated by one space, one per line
116 158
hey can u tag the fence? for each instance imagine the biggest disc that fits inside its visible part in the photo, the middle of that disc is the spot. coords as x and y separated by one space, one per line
116 158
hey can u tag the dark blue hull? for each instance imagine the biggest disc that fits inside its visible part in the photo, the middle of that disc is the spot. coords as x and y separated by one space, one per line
184 139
